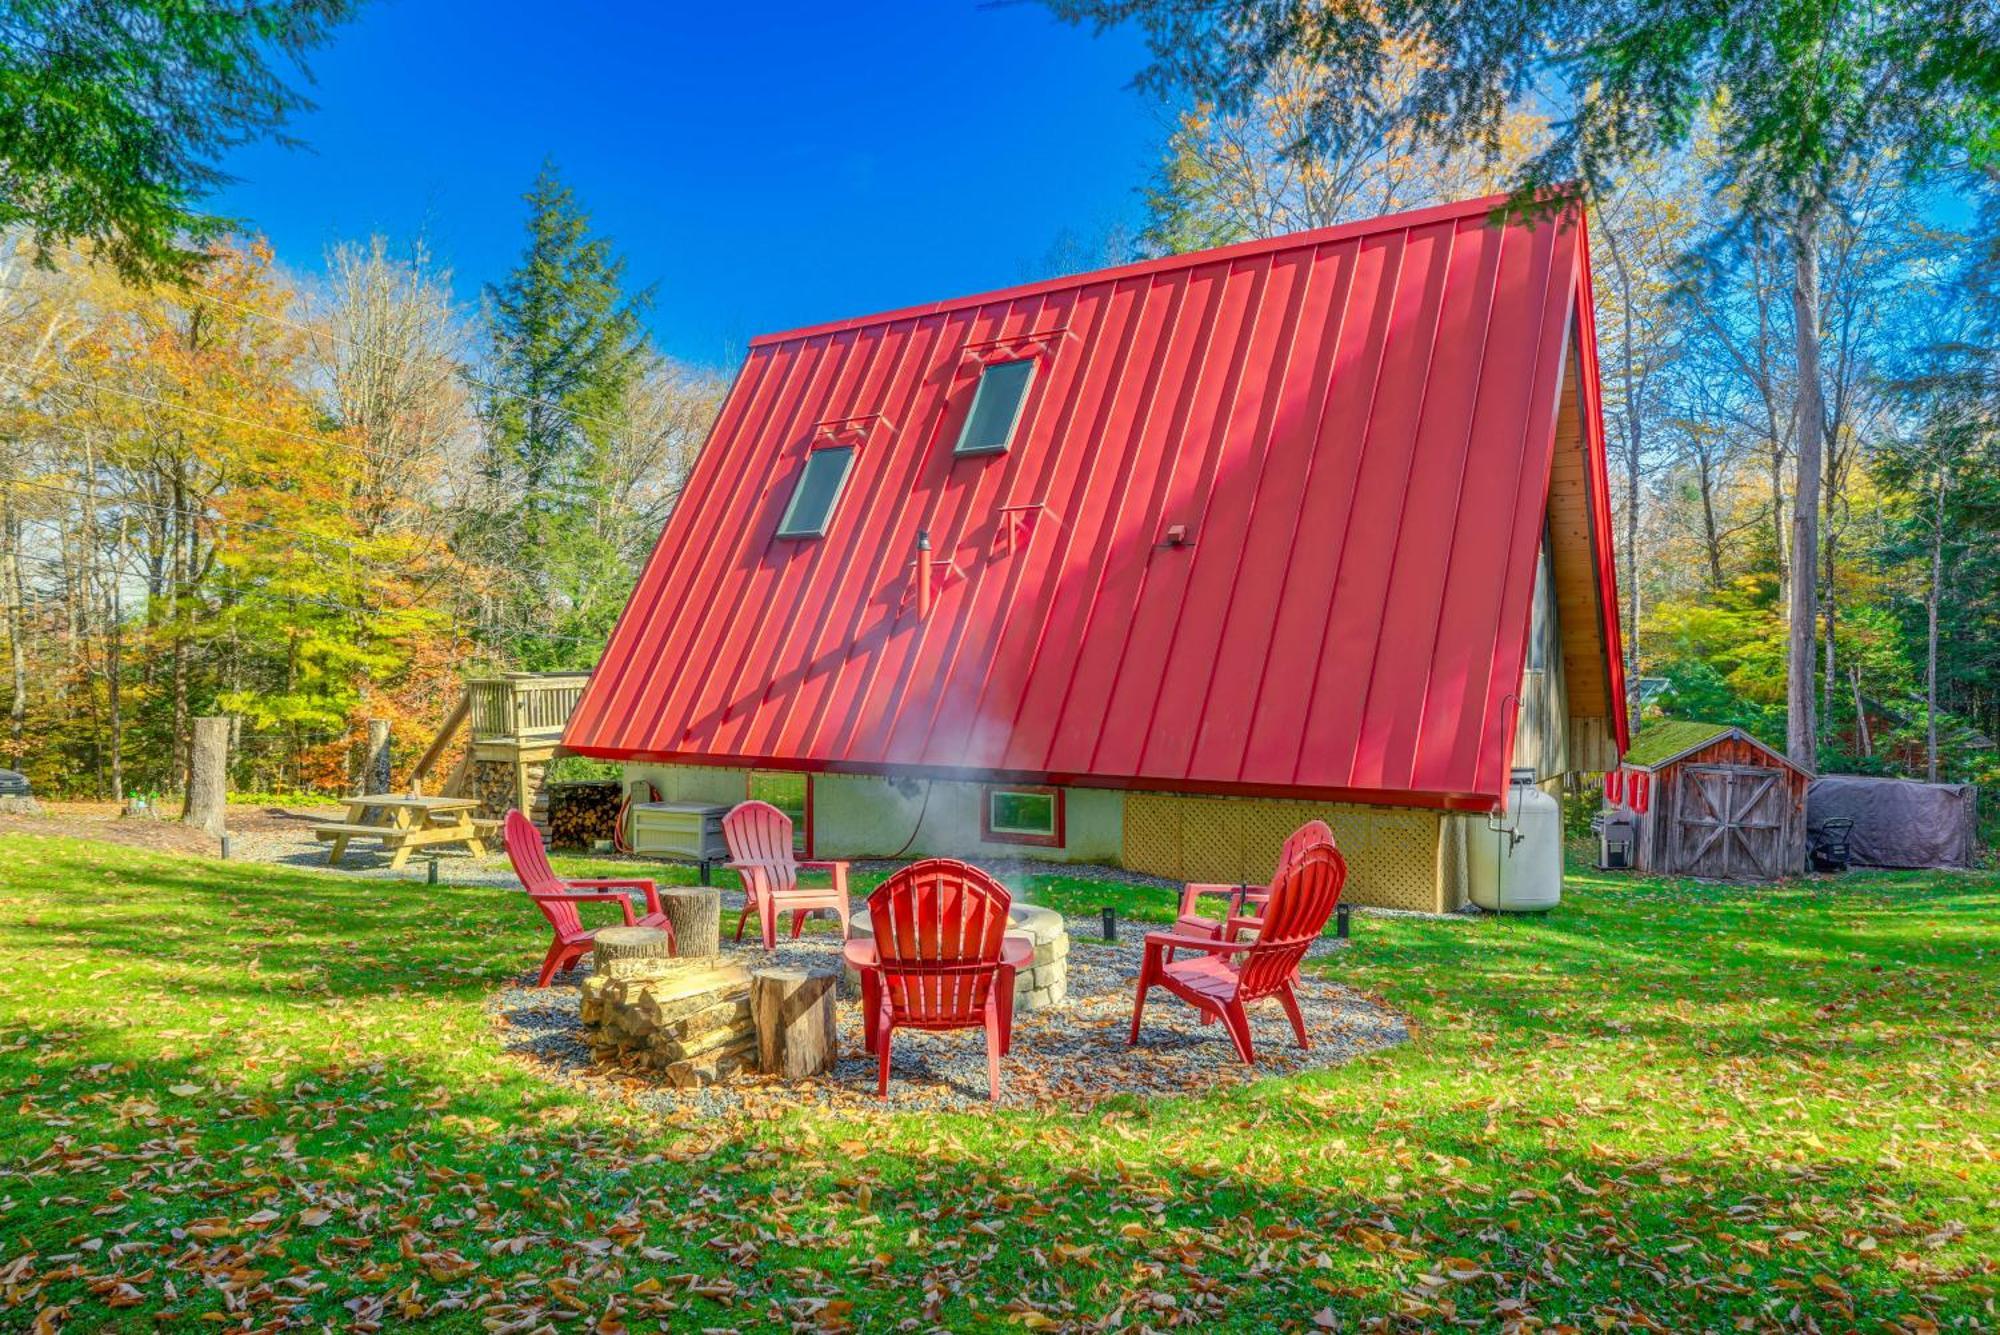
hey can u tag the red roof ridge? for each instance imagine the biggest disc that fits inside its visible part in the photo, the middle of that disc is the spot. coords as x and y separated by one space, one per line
1387 222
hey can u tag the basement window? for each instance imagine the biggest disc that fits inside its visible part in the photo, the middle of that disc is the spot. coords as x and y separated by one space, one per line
1023 816
996 407
817 492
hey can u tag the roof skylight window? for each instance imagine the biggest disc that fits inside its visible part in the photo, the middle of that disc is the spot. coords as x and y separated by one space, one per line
817 492
996 407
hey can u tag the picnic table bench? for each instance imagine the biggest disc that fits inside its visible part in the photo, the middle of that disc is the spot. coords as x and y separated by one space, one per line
405 823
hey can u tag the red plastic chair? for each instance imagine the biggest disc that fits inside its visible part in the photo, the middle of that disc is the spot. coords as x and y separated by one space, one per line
1300 904
1241 897
760 850
941 959
557 899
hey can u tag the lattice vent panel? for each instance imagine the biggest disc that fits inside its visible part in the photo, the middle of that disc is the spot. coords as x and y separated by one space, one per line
1392 853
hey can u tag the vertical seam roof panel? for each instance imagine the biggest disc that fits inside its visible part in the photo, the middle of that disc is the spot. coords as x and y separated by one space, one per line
1352 430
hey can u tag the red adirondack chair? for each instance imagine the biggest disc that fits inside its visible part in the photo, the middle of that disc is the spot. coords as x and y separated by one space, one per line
557 899
941 959
1301 902
760 850
1245 902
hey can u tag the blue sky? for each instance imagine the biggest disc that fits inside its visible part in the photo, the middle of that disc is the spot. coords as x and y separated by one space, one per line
765 165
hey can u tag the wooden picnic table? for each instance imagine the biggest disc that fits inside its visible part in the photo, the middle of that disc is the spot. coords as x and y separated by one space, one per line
404 823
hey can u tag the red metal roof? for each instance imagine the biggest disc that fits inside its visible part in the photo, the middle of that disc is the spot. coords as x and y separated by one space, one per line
1353 426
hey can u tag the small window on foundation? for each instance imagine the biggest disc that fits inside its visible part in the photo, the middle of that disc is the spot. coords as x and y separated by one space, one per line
996 408
1024 816
817 492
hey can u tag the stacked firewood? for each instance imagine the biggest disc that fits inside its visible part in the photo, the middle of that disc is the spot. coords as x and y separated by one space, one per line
582 813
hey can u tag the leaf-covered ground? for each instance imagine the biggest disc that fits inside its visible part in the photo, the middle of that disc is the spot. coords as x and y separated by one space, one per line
247 1097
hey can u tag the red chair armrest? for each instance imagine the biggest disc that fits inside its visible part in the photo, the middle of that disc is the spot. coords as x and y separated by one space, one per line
651 890
624 902
1193 892
1164 940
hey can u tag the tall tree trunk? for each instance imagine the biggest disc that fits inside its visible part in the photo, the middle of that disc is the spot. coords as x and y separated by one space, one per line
1862 741
1632 604
17 597
208 775
1931 598
178 626
1808 440
114 664
114 672
1830 603
1711 537
1634 441
1777 462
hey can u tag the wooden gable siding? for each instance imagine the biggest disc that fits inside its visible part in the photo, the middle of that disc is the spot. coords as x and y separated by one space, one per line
1541 733
1591 736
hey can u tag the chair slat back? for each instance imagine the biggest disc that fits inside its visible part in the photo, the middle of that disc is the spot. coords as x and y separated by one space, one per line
758 832
531 864
1295 845
1301 902
938 924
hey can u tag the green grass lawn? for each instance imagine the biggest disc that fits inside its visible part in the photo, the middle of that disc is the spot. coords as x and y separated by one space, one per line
235 1095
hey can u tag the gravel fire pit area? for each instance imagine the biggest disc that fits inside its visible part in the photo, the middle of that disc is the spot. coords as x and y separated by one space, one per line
1072 1016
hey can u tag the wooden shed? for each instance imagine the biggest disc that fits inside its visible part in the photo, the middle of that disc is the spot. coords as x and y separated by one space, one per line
1716 803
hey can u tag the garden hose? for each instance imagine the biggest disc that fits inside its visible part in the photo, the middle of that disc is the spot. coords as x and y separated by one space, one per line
619 843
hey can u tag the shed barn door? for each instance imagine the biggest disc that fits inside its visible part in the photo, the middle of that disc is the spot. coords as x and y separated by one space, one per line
1729 823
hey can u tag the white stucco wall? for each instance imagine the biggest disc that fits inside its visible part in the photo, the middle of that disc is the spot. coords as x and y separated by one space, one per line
861 815
693 783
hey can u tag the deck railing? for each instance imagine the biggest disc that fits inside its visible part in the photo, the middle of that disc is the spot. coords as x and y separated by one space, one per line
524 705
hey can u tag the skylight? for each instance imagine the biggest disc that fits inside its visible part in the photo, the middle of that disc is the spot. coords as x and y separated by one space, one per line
818 490
996 407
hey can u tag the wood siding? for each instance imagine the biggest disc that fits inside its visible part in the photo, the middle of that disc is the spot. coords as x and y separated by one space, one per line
1591 737
1541 735
1730 810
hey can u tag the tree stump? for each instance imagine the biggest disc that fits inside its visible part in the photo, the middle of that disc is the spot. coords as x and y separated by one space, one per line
696 913
208 775
793 1009
613 946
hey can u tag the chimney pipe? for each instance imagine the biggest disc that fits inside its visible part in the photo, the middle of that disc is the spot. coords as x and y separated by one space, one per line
923 572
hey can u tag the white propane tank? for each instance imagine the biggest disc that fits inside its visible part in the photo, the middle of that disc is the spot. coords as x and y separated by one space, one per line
1514 864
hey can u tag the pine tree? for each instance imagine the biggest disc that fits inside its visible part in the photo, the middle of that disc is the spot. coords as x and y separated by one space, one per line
566 347
114 115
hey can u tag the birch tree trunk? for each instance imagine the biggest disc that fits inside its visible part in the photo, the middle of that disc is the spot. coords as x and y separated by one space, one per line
1808 440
